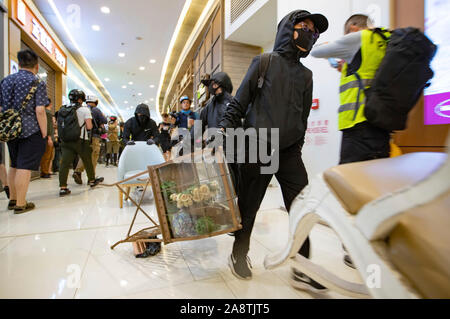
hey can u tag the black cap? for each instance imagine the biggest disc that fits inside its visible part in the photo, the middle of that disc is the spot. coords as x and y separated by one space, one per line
320 21
206 82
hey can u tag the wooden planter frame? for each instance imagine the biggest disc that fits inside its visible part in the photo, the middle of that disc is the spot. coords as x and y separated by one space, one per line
163 228
160 203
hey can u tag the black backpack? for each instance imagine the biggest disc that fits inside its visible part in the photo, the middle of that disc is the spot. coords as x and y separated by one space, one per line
69 129
400 79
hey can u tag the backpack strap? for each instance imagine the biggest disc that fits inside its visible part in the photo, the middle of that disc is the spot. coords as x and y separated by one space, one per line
381 33
30 94
361 89
264 62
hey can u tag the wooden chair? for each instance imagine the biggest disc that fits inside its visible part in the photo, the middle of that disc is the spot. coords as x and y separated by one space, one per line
393 217
132 172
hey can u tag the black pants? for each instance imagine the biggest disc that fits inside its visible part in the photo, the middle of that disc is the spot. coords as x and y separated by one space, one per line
364 142
252 185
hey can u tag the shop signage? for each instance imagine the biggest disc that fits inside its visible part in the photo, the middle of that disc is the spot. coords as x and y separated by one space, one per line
32 26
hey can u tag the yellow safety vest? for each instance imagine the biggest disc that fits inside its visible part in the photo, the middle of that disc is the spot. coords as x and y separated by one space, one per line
373 50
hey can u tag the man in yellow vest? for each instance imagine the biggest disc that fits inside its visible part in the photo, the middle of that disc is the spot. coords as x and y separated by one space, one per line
361 51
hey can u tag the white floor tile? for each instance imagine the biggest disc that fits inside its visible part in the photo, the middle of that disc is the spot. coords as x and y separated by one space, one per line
204 289
44 266
264 285
114 273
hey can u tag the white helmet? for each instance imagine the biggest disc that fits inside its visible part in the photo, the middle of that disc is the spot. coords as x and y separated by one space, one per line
91 98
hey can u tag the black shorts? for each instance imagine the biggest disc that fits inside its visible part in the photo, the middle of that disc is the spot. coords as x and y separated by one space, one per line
26 153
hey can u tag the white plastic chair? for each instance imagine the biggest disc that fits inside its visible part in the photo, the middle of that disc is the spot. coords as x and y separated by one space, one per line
133 163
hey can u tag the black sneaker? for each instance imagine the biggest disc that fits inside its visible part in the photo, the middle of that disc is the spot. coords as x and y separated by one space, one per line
152 249
64 192
348 261
96 182
240 267
77 178
46 176
300 281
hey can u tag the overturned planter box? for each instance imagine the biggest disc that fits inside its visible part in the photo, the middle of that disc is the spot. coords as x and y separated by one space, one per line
195 197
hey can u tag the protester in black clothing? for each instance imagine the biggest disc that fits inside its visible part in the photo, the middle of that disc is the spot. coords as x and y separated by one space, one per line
284 103
140 127
220 88
164 138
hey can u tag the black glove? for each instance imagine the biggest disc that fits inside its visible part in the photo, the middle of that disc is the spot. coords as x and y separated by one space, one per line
131 143
150 142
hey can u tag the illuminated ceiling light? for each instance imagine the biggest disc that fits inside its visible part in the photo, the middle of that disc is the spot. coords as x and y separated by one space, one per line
121 54
152 100
152 86
130 83
96 27
105 10
69 34
126 102
139 94
152 61
146 101
124 86
106 79
142 68
170 48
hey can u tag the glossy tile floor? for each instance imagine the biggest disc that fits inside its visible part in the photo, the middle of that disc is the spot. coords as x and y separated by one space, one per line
62 250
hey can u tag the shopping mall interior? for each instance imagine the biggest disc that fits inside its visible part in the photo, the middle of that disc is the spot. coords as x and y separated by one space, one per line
153 225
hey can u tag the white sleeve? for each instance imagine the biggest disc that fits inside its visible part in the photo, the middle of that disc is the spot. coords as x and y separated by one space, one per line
87 113
345 48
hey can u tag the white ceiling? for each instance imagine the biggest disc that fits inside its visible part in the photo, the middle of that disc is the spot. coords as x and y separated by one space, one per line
152 20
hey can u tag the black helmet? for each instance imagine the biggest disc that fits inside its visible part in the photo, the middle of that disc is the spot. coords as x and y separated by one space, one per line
75 95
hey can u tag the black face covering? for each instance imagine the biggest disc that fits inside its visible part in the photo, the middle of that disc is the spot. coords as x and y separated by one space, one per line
305 40
142 119
212 91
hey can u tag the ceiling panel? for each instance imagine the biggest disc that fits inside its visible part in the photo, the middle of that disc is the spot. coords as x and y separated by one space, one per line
142 29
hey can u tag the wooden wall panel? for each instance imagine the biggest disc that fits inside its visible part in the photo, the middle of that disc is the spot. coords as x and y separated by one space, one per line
236 60
417 137
14 41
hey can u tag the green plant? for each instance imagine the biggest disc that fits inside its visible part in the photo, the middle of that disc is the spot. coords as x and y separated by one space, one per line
205 225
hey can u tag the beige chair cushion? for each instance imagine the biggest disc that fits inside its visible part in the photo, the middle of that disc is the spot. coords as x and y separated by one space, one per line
357 184
419 247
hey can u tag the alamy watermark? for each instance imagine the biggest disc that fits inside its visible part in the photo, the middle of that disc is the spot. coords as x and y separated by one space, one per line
252 146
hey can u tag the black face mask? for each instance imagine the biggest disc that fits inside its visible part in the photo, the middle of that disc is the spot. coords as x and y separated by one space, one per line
212 91
305 40
142 118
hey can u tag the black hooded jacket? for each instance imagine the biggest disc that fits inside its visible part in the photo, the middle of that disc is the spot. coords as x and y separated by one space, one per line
136 131
285 100
213 112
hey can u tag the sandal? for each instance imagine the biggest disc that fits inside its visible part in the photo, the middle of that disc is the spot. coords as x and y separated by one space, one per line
24 209
12 204
6 189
